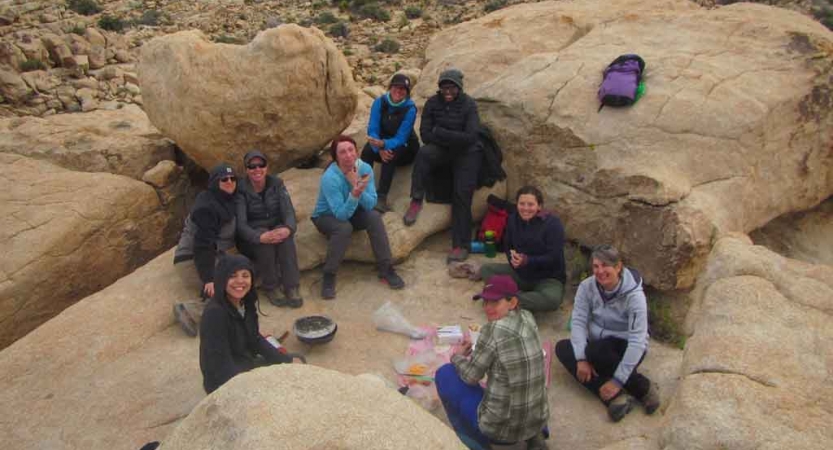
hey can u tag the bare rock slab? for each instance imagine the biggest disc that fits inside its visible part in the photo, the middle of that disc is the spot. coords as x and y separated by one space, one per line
68 234
287 93
121 141
309 407
734 129
757 369
805 235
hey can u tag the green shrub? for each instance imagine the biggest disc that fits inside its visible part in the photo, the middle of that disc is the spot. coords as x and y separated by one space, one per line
825 16
32 64
326 17
111 23
343 5
318 4
226 39
150 17
375 12
339 29
388 45
78 29
494 5
84 7
403 22
413 12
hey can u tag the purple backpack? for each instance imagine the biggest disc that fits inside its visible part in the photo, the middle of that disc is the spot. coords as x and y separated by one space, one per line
620 80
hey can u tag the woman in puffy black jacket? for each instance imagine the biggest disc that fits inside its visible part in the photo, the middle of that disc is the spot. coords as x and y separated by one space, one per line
230 339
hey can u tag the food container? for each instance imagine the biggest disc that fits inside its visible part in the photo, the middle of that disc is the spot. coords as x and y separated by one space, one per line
315 329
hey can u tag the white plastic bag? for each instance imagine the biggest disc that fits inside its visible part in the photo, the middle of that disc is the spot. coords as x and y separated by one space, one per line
388 318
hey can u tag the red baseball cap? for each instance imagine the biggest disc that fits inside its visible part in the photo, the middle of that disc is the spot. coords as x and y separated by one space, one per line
498 287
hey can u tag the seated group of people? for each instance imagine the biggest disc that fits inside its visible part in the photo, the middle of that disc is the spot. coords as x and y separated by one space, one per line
255 215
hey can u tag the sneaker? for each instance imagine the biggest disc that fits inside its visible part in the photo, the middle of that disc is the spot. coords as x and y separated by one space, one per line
328 286
619 407
536 443
185 321
382 204
457 254
651 400
413 212
393 280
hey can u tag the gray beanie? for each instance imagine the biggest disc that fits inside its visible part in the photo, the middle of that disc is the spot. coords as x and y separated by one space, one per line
452 75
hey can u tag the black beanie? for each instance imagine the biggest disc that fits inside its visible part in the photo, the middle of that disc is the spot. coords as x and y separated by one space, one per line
400 79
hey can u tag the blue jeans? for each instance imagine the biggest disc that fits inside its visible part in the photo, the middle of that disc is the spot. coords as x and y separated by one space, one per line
460 401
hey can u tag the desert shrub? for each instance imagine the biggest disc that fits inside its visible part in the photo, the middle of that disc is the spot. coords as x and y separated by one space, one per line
326 17
226 39
78 29
403 22
494 5
825 16
84 7
388 45
340 29
111 23
413 12
32 64
375 12
150 17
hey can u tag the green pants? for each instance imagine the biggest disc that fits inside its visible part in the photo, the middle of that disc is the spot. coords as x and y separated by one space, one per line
543 295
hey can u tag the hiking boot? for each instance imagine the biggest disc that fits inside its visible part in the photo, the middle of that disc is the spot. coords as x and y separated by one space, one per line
651 400
185 321
412 213
619 407
536 443
328 286
393 280
382 204
291 298
457 254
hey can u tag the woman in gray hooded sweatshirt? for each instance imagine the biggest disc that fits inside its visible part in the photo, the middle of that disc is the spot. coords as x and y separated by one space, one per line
609 336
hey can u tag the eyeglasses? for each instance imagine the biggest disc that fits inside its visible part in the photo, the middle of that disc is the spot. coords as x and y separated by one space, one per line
256 166
228 179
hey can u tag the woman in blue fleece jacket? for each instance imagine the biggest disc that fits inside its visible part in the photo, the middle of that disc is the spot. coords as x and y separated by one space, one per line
390 134
609 336
346 198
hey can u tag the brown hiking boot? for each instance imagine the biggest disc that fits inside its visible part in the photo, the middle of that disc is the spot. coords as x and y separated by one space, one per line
651 400
619 407
412 213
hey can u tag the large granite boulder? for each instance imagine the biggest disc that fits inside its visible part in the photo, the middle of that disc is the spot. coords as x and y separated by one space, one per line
68 234
287 93
121 141
757 368
734 129
308 407
303 188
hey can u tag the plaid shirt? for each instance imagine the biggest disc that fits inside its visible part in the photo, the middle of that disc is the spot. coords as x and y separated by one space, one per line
514 405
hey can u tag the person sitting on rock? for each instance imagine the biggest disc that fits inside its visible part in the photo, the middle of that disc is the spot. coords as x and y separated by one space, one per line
346 198
609 337
449 131
230 339
534 246
390 135
266 230
209 232
513 407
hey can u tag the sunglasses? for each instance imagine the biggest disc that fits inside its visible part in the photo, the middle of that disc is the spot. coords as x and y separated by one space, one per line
256 166
228 179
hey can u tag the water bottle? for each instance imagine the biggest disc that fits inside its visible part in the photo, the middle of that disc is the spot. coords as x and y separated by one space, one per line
478 247
491 249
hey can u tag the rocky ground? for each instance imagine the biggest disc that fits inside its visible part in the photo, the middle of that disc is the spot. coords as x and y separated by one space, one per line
80 55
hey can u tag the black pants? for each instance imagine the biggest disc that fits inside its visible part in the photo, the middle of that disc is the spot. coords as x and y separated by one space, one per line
402 156
338 233
604 355
465 165
275 264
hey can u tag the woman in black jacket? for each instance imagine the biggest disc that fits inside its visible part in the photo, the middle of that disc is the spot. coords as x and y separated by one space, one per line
266 231
230 339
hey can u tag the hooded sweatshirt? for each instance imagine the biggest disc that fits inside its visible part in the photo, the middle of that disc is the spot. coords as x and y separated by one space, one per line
230 343
623 315
210 227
